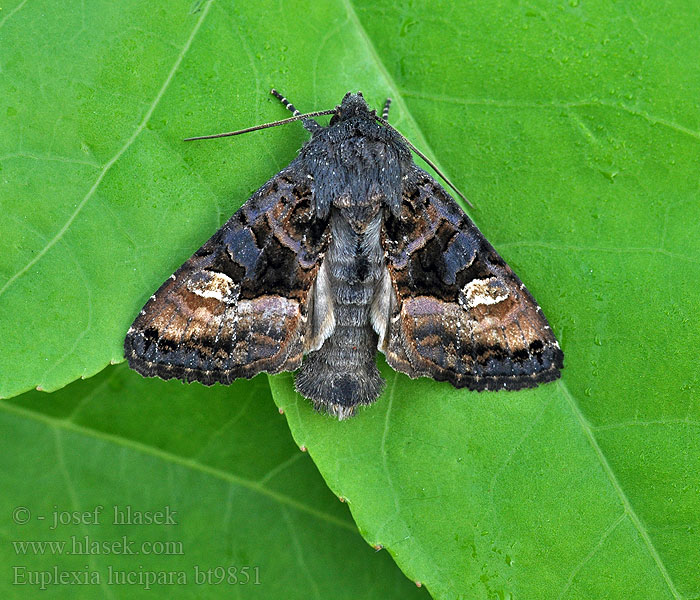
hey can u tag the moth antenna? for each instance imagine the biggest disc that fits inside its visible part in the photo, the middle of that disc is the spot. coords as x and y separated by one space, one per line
318 113
385 110
287 104
432 165
309 125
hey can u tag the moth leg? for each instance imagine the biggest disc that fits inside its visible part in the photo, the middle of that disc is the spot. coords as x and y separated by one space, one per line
385 110
309 124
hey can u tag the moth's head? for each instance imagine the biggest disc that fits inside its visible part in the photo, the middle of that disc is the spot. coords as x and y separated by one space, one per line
352 106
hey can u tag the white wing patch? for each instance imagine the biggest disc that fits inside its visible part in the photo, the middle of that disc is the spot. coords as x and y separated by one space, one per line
483 291
211 284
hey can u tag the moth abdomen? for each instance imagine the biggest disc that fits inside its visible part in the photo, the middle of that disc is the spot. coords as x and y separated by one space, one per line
342 373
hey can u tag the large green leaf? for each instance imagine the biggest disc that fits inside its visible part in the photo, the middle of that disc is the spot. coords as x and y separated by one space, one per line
238 491
575 131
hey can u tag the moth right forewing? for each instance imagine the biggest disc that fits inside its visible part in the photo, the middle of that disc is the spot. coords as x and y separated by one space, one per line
462 315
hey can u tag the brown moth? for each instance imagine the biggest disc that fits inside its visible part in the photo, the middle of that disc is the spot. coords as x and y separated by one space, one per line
350 249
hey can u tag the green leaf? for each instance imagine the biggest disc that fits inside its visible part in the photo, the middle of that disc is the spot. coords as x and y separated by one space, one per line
574 128
516 495
222 465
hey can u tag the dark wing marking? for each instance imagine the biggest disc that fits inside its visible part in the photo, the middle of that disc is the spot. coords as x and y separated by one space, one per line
238 306
457 312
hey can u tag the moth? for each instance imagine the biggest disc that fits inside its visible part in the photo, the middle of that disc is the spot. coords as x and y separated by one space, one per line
350 249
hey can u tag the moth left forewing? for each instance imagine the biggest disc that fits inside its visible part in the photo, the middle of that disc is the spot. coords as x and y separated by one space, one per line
458 312
238 306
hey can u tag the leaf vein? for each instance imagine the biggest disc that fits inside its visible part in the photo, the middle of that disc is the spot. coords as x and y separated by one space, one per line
509 455
13 12
626 250
299 551
173 459
651 118
575 571
629 510
73 495
61 232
